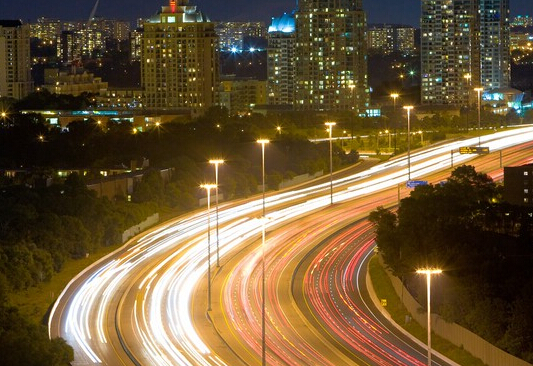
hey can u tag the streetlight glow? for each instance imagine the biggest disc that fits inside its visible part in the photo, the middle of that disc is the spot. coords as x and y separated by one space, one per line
216 162
408 108
208 188
330 129
428 272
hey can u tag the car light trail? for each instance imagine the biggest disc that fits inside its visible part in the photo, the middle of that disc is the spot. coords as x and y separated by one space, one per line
164 267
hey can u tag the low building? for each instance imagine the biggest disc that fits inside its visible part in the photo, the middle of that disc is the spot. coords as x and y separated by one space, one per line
62 82
518 185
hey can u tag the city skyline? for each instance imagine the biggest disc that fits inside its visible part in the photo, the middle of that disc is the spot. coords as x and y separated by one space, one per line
380 11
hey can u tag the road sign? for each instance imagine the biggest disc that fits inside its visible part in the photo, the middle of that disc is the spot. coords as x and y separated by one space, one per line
474 150
414 183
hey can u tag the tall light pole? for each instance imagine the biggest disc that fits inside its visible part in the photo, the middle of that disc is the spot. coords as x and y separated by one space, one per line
216 162
330 129
208 188
468 78
263 142
428 272
479 90
408 108
394 96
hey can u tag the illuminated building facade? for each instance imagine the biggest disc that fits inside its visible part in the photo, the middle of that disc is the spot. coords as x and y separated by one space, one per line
46 29
241 95
15 62
179 64
388 38
330 54
231 35
464 44
281 65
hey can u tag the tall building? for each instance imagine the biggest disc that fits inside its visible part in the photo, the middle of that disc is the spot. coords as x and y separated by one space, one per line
281 60
15 62
179 65
231 35
46 29
495 44
330 53
464 44
387 38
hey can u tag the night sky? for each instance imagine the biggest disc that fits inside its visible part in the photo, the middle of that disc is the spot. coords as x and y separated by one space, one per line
378 11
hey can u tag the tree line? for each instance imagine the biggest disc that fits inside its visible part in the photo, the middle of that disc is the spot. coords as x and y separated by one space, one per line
483 245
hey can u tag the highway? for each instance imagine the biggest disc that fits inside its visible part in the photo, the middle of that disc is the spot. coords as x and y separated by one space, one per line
146 303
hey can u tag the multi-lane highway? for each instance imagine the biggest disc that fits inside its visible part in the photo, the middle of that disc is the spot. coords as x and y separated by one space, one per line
146 304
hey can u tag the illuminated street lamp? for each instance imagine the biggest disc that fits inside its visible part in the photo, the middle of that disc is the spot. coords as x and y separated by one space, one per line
278 129
428 272
263 142
468 78
330 129
388 132
408 108
394 96
479 90
208 188
216 162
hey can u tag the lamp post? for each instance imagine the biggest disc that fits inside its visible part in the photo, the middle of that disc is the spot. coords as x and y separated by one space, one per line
208 188
468 78
428 272
394 96
408 108
330 129
263 142
479 90
388 132
216 162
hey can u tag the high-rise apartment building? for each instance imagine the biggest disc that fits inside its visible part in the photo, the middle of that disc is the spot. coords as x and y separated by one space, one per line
232 34
281 60
179 64
330 55
388 38
15 62
46 29
464 44
495 44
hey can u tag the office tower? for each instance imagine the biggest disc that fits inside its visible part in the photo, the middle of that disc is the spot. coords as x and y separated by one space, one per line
179 59
464 44
281 60
15 63
331 70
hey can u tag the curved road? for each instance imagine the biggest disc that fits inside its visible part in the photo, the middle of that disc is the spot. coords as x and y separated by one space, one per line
135 306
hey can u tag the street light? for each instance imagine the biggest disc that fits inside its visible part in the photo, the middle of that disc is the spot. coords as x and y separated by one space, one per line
468 78
428 272
388 132
394 96
479 90
263 142
208 188
408 108
330 129
216 162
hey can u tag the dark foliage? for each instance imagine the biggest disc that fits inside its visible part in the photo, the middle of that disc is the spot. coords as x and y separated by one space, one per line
484 247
